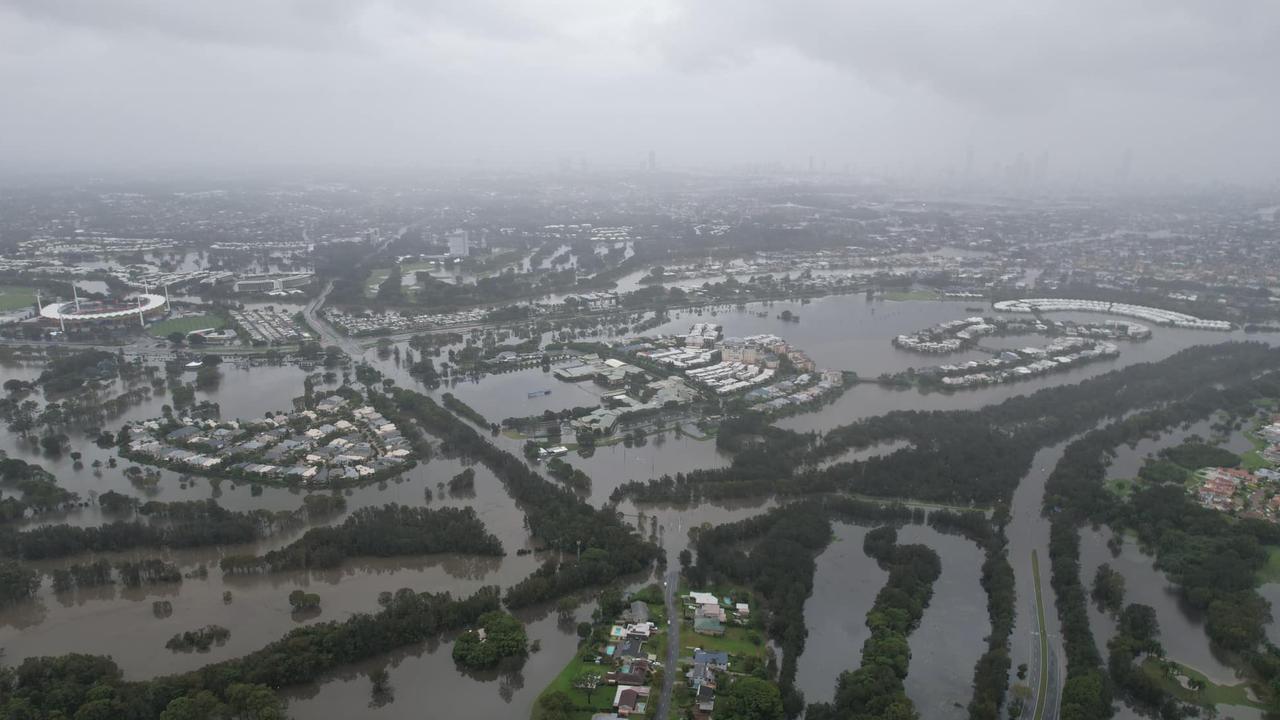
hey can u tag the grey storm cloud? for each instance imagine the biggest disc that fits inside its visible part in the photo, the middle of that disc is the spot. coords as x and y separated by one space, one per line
1187 87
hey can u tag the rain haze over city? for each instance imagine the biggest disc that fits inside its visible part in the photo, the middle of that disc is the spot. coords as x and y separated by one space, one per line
664 360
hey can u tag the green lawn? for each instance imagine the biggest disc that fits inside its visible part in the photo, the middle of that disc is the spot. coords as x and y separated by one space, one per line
601 698
734 641
1270 573
1252 460
16 297
1212 694
185 325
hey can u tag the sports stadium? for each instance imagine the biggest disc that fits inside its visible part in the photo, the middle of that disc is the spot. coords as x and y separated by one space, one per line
114 312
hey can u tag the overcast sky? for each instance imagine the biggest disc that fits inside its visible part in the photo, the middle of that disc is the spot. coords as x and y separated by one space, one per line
1187 88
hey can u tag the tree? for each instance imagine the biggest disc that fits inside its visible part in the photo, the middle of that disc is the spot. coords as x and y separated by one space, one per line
584 630
750 698
587 681
17 582
254 702
378 677
200 706
555 705
175 337
686 559
565 608
303 600
499 636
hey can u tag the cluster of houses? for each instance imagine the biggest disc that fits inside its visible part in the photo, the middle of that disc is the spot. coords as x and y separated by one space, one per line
632 665
956 335
392 321
796 391
1142 312
1239 492
334 443
709 615
733 365
1012 365
1271 435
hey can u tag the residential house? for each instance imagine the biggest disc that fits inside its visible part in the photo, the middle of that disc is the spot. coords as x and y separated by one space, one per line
630 699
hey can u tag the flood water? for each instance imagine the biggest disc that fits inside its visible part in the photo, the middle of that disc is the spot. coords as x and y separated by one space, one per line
943 649
845 332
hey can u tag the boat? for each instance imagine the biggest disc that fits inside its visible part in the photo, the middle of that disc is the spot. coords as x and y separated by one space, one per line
539 393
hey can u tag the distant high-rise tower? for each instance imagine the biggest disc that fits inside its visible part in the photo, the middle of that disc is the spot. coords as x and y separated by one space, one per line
653 161
810 163
459 243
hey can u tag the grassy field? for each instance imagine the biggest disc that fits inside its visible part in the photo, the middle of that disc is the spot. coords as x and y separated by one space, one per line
601 699
910 295
1212 694
1270 572
407 269
16 297
1121 487
185 325
1252 460
735 641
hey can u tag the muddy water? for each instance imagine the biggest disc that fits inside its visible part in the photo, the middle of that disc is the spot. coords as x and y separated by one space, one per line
121 623
943 649
952 633
95 621
425 682
844 588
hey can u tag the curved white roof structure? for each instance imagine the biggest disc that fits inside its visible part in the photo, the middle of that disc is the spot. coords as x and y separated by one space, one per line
93 310
1154 315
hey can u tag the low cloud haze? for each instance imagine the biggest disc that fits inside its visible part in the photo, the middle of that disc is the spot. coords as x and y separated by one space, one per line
1072 89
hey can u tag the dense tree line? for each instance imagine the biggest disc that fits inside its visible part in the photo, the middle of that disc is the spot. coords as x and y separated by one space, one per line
554 515
185 524
875 689
147 572
780 565
389 531
991 673
1211 557
1197 454
82 575
463 410
66 373
569 475
90 687
954 456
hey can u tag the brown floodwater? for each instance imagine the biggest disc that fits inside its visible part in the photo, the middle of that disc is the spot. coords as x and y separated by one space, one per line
844 332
